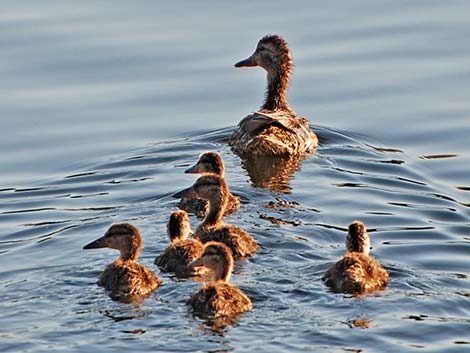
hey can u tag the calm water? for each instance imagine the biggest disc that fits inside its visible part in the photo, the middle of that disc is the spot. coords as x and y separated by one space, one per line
102 107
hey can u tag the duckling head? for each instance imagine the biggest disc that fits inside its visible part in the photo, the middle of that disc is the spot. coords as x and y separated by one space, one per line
178 226
272 54
123 237
209 162
218 258
357 239
209 187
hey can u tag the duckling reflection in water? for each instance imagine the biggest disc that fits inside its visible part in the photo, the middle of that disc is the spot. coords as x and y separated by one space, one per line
275 129
209 162
213 188
218 298
125 278
182 250
357 272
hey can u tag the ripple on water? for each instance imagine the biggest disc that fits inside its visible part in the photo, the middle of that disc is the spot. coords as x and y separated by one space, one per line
417 232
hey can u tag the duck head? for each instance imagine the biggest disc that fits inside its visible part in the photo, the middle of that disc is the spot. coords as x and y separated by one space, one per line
123 237
357 239
209 162
178 226
210 187
218 258
272 54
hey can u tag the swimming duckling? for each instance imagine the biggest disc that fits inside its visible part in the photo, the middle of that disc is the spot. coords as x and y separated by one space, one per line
209 162
125 276
218 298
182 250
275 129
357 272
213 188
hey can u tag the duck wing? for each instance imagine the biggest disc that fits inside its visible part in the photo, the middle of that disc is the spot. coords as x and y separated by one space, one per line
255 123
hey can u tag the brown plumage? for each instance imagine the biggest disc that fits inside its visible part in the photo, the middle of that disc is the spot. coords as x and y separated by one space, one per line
275 129
181 250
357 272
209 162
218 298
125 277
214 189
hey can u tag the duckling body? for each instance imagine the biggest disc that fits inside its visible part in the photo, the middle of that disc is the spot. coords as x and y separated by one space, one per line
209 162
218 298
125 277
181 250
214 189
275 129
357 272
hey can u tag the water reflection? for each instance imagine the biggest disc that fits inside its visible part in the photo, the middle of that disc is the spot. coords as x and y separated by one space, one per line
273 173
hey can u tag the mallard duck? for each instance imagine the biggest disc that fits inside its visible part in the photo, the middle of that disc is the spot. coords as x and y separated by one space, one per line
275 129
209 162
218 298
125 277
357 272
213 188
182 250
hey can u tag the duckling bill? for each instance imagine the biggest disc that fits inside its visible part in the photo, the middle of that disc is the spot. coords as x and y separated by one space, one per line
124 278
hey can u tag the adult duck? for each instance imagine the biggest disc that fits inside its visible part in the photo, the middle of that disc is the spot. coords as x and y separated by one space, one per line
214 189
182 250
357 272
275 129
209 162
218 298
125 277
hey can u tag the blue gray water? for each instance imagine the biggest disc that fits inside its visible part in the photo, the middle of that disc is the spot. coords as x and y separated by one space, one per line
104 104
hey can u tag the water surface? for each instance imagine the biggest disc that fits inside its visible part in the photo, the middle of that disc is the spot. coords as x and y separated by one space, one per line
103 106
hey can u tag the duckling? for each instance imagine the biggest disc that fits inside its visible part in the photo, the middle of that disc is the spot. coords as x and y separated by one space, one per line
357 272
125 277
218 298
275 129
209 162
213 188
182 250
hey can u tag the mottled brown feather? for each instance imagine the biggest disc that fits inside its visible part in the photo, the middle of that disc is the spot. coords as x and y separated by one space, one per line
219 299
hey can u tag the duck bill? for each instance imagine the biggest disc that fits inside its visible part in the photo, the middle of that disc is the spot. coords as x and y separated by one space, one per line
192 170
196 263
187 193
97 244
247 62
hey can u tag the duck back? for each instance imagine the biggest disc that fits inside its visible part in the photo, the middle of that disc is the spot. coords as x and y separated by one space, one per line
240 242
219 299
274 133
356 273
178 255
129 278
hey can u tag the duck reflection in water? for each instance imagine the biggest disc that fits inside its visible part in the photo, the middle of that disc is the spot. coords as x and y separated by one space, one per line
125 279
275 130
357 272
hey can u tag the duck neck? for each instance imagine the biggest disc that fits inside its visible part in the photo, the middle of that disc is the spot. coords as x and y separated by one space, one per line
216 211
223 272
128 255
276 90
